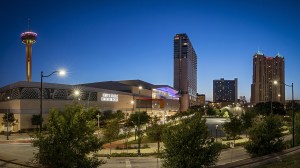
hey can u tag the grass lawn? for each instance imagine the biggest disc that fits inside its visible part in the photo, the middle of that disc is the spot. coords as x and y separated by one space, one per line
287 162
144 140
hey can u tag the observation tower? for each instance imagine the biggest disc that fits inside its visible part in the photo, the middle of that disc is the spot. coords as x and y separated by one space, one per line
28 38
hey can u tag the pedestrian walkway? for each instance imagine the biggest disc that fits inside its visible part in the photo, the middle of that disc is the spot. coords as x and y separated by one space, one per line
15 138
122 147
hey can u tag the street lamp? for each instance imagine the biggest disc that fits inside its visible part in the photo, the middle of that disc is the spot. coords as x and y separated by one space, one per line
77 93
7 124
139 123
8 98
98 116
60 73
293 112
217 132
132 103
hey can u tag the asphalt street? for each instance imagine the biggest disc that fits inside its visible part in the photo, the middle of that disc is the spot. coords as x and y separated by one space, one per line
9 165
24 153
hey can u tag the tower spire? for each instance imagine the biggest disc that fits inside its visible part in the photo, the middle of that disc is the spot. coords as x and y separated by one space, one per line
28 24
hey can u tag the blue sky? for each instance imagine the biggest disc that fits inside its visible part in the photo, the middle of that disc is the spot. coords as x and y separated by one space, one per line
133 39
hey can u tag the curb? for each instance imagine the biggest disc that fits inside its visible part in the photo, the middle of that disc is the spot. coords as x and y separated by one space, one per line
16 163
260 161
15 141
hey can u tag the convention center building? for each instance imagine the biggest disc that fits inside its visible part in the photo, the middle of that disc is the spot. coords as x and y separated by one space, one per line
23 99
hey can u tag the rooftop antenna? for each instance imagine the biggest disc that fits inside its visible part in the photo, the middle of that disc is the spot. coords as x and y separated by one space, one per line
278 54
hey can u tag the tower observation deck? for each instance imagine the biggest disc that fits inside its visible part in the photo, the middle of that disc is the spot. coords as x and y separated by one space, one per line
28 38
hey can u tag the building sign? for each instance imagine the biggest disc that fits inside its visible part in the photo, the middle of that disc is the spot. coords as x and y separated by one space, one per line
110 97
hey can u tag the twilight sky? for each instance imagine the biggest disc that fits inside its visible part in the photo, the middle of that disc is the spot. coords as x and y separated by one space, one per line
103 40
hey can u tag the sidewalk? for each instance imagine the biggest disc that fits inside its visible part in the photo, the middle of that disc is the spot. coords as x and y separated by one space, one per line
15 138
121 144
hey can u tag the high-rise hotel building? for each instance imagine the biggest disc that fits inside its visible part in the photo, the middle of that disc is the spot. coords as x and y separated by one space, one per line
266 70
225 90
185 71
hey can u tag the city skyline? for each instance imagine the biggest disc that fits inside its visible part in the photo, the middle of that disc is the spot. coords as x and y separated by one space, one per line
118 40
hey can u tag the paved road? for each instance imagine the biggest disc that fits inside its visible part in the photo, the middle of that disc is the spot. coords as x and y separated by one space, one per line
24 153
17 152
9 165
132 162
232 155
211 124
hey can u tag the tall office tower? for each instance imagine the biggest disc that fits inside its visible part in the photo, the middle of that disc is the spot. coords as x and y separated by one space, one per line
28 38
225 90
185 71
266 70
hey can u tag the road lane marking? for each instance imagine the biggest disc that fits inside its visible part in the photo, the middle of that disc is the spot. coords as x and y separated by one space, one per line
127 163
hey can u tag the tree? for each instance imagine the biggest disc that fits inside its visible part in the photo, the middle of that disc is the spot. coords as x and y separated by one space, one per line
119 115
289 108
297 128
225 113
264 108
265 136
155 131
233 128
68 140
196 108
211 111
11 118
296 106
247 118
137 119
107 115
111 131
189 144
36 120
278 108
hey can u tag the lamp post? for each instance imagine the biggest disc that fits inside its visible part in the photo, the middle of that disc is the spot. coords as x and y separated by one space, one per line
271 96
293 112
139 123
8 98
132 103
98 116
217 132
7 125
61 73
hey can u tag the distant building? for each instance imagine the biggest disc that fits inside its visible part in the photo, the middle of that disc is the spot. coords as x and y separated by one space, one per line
242 101
201 99
225 90
266 70
185 71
